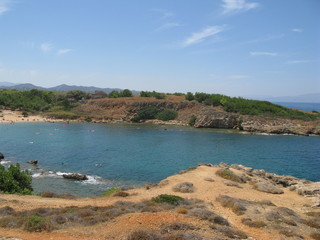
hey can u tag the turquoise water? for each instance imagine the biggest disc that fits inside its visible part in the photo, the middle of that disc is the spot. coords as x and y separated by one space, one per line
133 154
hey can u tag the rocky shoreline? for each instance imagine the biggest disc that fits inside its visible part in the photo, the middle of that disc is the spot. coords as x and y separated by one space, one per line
115 110
202 203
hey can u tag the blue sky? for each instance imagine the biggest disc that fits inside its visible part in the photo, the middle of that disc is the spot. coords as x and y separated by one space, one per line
233 47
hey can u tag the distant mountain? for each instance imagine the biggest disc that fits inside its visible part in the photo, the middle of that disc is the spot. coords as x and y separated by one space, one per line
60 88
23 87
305 98
7 84
65 88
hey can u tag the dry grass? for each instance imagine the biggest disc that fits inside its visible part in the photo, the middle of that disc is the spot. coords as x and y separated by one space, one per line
236 205
315 235
185 187
255 224
230 175
144 235
182 210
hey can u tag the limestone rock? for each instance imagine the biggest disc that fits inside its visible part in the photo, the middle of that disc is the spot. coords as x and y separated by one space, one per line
267 187
33 162
75 176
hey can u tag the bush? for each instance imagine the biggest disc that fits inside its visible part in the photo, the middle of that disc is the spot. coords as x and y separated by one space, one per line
144 235
146 113
154 94
37 224
192 120
13 180
185 187
255 224
167 115
228 174
164 198
189 96
126 93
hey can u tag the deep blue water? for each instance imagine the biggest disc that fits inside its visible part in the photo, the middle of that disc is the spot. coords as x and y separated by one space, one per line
132 154
301 106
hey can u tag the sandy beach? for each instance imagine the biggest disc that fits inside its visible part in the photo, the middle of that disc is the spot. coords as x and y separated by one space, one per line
8 116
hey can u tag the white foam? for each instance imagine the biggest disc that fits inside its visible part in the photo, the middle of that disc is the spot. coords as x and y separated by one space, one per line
3 162
95 180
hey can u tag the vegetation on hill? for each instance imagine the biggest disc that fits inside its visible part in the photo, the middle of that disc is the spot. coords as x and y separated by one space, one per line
116 94
155 113
247 107
13 180
154 94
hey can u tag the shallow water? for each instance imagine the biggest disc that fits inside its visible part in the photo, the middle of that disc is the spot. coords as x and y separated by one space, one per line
132 154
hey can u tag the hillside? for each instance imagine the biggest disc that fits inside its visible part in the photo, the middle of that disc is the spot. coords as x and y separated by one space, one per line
124 109
216 202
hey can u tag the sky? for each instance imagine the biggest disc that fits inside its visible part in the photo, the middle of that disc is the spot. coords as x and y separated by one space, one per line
232 47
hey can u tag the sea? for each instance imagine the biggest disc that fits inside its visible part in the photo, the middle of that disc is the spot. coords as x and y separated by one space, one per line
130 155
309 107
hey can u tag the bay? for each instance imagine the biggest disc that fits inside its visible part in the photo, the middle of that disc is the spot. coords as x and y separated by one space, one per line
117 155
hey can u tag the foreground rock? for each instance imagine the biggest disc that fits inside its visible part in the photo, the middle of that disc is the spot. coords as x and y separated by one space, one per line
75 176
33 162
1 156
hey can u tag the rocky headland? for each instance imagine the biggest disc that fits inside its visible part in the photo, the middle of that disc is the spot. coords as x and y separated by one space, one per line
125 109
205 202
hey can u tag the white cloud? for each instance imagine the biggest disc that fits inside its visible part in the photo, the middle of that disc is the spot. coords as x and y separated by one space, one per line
298 61
272 54
296 30
63 51
5 6
46 47
205 33
167 26
234 6
163 12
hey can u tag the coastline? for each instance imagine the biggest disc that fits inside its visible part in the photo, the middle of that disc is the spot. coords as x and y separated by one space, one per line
291 199
250 125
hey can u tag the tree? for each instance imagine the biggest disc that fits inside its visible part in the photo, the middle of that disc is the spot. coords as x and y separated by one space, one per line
13 180
114 94
126 93
189 96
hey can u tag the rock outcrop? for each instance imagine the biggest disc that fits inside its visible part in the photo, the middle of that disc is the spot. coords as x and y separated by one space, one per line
104 110
33 162
75 176
1 156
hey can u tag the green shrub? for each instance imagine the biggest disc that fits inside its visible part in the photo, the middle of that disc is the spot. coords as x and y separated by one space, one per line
192 120
167 115
126 93
154 94
189 96
88 119
111 191
146 113
37 224
13 180
164 198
